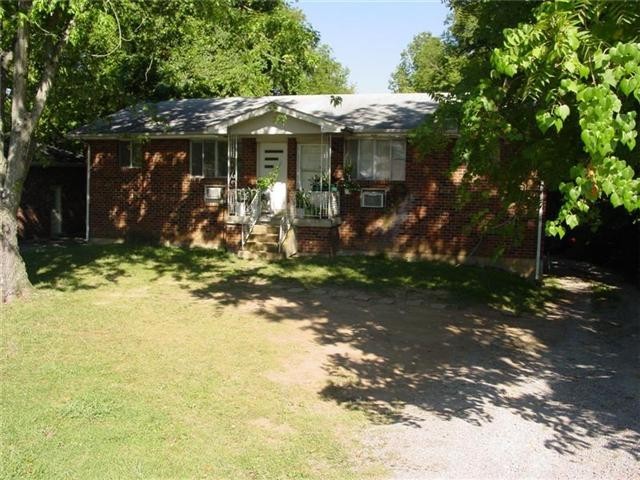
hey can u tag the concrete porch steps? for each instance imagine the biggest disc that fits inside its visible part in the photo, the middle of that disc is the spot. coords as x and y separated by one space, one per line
263 241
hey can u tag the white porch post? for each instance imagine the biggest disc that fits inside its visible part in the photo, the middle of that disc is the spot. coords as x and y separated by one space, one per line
232 173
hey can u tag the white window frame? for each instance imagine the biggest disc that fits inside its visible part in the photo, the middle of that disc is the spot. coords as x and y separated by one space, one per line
216 167
131 150
324 149
357 161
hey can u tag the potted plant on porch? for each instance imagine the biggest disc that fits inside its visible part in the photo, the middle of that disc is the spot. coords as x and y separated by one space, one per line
264 184
243 200
320 183
302 203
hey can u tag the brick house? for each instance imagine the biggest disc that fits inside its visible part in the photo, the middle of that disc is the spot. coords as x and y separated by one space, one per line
344 179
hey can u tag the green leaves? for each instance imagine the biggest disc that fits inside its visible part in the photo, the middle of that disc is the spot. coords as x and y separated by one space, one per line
546 120
562 111
572 220
424 67
577 68
126 51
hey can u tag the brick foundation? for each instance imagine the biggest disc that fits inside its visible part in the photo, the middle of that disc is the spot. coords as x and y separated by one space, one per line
317 240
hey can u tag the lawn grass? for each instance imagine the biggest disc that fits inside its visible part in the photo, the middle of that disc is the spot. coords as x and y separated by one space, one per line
112 370
136 361
56 267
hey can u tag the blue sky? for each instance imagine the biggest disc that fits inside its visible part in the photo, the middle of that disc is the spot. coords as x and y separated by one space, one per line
367 36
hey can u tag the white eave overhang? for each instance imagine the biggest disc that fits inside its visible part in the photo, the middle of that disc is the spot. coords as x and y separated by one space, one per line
209 134
135 135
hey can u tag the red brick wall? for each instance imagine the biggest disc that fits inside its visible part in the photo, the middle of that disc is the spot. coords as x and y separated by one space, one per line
421 218
292 168
161 200
318 240
158 201
247 164
233 236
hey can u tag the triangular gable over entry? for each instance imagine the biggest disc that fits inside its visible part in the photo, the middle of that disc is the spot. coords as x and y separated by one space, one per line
274 118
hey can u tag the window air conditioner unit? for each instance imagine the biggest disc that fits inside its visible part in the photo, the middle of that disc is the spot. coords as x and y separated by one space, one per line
372 198
213 194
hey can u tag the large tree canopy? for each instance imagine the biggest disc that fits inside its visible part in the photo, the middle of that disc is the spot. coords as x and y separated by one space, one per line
557 85
85 58
576 71
424 67
148 51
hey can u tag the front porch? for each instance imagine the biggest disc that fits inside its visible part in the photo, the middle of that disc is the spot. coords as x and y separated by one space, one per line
282 170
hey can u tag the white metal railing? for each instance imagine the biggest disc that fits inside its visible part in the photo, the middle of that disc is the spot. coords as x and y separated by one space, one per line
310 204
254 211
239 201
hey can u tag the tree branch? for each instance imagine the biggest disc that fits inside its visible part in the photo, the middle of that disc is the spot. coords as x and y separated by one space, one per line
20 72
49 71
23 121
7 58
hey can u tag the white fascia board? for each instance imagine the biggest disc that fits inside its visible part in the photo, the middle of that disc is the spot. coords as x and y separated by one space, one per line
379 131
130 135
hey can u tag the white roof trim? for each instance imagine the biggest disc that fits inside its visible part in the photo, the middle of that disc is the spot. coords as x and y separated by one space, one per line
325 125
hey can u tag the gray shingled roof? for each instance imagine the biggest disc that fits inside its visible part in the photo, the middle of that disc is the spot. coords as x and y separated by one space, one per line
359 112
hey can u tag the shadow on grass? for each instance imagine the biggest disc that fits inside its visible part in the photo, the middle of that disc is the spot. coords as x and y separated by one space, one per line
457 362
69 267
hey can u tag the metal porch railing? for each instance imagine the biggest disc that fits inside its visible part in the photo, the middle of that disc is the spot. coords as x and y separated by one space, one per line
310 204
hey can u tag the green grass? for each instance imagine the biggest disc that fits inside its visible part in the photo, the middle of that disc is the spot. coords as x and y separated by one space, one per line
134 361
56 267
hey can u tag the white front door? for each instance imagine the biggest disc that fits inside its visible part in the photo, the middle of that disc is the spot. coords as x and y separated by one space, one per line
274 156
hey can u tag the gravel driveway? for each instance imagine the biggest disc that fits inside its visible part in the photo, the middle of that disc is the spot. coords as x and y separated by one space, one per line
492 396
465 393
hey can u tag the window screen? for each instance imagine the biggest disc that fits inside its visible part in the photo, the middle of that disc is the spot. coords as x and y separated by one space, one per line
377 159
208 158
196 159
309 165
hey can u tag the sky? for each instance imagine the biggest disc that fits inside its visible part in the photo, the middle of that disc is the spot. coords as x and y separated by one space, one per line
368 36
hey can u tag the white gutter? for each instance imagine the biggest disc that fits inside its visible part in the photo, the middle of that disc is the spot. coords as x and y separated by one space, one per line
86 235
223 133
539 239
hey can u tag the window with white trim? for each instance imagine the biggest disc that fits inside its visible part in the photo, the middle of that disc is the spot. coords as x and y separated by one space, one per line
309 163
374 159
130 154
208 158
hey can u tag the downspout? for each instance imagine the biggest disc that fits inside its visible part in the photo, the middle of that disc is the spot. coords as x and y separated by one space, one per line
88 199
321 157
539 239
330 194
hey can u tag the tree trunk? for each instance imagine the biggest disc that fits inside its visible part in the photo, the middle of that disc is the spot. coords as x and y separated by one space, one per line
14 167
13 274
